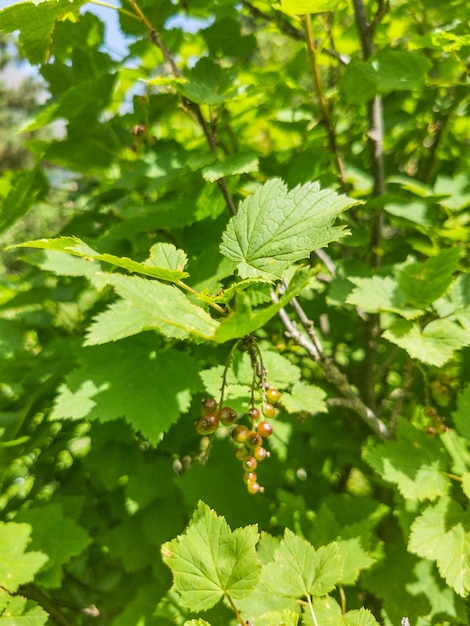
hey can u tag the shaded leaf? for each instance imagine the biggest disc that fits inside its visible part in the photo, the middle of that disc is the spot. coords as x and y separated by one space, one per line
56 535
17 567
442 534
129 380
240 163
415 463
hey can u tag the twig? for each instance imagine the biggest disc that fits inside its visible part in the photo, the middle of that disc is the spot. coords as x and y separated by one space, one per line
49 605
190 106
324 107
334 375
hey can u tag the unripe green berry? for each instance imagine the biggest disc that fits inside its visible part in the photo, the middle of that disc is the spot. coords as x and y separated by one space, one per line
273 395
227 416
260 453
268 410
250 463
254 487
240 434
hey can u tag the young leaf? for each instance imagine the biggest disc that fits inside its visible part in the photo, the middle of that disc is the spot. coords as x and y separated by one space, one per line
414 462
276 227
442 534
298 570
210 561
18 611
422 283
434 344
149 305
57 536
172 260
303 7
380 293
17 567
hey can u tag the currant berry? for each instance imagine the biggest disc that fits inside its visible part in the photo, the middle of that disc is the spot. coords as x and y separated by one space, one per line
265 429
254 440
254 487
227 416
242 454
268 410
250 463
254 413
260 453
250 477
273 395
207 424
208 405
240 434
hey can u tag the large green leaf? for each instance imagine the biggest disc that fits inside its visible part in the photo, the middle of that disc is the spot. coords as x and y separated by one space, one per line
414 463
275 227
298 570
442 534
17 567
148 305
165 261
434 344
36 23
129 380
378 294
210 561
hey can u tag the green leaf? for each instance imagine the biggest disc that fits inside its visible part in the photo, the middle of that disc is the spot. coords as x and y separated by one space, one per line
149 305
435 344
129 380
442 534
400 70
197 622
18 192
298 570
302 7
378 294
353 559
280 618
208 83
240 163
304 398
172 260
414 463
358 82
18 611
275 227
210 561
462 415
36 24
17 567
422 283
57 536
243 320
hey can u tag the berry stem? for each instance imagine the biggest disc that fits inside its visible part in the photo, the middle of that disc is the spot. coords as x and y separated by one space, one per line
225 372
240 619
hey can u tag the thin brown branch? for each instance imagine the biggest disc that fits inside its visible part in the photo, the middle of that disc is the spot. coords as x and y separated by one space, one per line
49 605
331 371
324 106
191 107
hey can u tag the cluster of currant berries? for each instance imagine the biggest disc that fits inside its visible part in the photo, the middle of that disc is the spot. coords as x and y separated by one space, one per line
248 440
